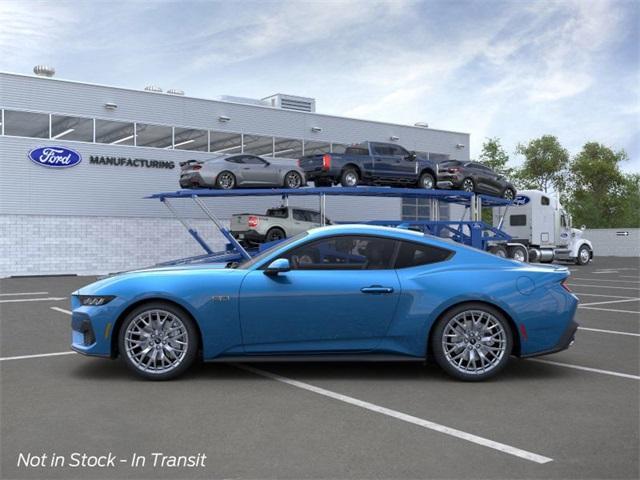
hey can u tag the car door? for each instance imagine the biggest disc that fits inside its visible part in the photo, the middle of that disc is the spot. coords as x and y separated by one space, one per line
299 221
257 171
383 160
339 296
404 168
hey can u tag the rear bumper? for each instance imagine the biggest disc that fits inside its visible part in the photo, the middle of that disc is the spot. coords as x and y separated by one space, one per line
249 236
446 181
192 180
566 340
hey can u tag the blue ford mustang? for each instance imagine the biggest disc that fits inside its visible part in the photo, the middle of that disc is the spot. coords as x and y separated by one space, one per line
342 292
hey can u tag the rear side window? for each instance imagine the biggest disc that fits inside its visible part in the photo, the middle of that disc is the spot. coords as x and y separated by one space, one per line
277 212
234 160
356 151
414 254
518 220
300 215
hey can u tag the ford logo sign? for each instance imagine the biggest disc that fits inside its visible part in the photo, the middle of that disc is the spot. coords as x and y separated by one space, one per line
521 200
55 157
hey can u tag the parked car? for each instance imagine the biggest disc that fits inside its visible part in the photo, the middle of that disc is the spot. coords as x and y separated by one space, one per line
370 163
348 291
241 170
275 224
474 177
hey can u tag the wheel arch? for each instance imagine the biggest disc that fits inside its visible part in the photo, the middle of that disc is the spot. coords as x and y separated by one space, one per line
354 166
115 331
514 328
430 171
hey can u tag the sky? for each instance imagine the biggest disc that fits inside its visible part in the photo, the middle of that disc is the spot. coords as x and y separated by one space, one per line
509 69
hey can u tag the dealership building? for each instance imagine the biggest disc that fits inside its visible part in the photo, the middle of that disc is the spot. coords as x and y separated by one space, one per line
92 217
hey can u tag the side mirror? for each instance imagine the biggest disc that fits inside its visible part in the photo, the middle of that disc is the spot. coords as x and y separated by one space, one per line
583 228
280 265
412 156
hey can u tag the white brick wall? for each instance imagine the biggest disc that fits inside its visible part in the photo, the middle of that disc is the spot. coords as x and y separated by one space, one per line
49 245
606 242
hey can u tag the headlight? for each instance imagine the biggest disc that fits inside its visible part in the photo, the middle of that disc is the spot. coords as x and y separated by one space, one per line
95 300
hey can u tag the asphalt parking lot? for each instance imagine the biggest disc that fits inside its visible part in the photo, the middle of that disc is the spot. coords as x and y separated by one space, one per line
570 415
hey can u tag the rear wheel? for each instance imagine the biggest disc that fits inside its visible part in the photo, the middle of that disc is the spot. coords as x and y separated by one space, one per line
472 342
584 255
349 178
509 194
275 234
498 251
518 253
293 179
226 180
158 341
426 181
468 185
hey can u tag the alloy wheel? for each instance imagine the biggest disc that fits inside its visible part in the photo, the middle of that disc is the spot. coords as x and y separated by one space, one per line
351 179
156 341
467 185
474 342
584 255
427 182
226 181
293 180
508 194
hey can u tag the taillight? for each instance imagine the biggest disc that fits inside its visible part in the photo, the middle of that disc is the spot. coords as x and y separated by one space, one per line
565 285
299 163
196 167
253 222
326 161
454 170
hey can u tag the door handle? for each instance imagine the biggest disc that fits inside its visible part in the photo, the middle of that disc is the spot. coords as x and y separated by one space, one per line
376 289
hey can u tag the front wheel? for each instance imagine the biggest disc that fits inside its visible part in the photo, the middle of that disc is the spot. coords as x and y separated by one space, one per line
293 179
472 342
584 255
158 341
427 181
468 185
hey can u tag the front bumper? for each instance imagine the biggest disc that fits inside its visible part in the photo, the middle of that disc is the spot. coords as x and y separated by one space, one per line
92 327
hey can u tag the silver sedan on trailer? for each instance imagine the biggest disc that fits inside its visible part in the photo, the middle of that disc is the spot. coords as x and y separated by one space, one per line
241 170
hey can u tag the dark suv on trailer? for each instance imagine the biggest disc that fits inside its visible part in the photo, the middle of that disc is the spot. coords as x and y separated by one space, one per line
474 177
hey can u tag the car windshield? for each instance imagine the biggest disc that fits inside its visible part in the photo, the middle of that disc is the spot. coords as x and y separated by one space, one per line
261 256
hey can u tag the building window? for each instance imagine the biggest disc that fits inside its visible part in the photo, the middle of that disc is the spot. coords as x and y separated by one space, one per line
338 147
157 136
258 145
225 142
114 133
191 139
287 148
71 128
26 124
315 148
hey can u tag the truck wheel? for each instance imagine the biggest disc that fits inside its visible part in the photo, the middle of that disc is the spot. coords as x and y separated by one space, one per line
349 178
426 181
517 253
226 180
472 341
584 255
498 251
293 179
275 234
468 185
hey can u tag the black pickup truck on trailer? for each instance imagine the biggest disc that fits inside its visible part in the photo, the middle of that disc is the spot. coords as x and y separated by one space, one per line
371 163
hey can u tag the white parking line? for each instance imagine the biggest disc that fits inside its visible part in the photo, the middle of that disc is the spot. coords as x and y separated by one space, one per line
604 286
609 331
533 457
599 295
48 299
586 369
22 293
609 301
605 280
40 355
609 310
61 310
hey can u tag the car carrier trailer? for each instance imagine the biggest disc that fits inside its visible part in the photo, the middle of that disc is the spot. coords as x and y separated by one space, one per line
472 231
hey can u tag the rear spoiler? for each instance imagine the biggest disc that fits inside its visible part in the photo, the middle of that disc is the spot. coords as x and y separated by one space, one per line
188 162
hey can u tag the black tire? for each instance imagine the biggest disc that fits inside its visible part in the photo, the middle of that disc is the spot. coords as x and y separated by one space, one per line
349 177
508 194
518 253
446 359
427 181
274 234
225 180
584 255
188 331
293 180
498 251
468 185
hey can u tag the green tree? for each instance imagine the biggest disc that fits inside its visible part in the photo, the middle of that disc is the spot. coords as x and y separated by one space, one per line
494 156
600 195
545 164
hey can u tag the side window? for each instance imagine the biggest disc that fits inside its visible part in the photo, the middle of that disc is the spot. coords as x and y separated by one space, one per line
518 220
299 215
414 254
313 217
399 152
544 201
343 253
251 160
563 221
238 159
